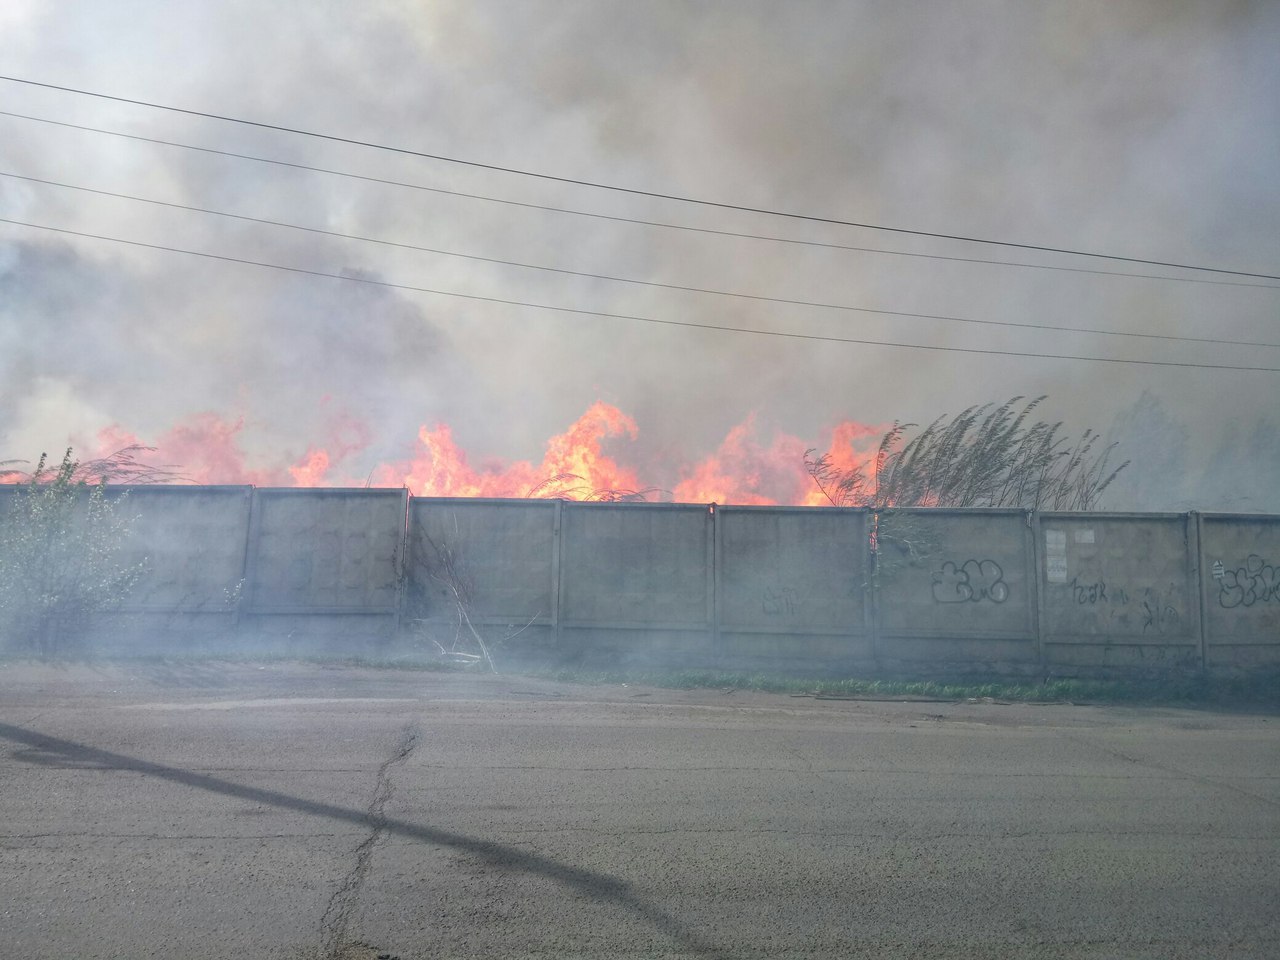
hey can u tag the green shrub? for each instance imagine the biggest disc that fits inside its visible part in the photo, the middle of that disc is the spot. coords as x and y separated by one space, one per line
61 560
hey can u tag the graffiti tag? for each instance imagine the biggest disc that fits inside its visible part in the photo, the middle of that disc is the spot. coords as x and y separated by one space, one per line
1258 581
971 582
1158 614
780 602
1090 593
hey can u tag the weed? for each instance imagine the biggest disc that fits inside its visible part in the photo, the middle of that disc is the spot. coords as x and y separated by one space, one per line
62 559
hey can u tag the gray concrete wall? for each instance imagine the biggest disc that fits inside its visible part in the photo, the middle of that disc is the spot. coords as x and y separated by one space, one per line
636 581
970 602
1119 590
686 585
791 586
502 554
190 542
325 553
1240 580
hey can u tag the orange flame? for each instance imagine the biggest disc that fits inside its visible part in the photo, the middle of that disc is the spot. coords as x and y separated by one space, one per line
574 463
746 468
853 447
745 471
205 447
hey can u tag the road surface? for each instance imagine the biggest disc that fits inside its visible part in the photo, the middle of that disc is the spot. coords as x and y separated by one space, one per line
297 811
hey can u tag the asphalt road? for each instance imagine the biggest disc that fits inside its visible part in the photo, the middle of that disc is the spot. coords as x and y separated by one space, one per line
298 811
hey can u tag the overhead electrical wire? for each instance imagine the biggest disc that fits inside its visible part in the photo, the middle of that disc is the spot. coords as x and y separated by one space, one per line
632 280
637 318
662 224
633 191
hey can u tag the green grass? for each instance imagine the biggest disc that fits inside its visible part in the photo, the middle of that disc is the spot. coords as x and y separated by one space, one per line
1258 692
1173 690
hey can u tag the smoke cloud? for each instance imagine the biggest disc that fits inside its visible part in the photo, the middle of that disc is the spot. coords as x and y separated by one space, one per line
1144 129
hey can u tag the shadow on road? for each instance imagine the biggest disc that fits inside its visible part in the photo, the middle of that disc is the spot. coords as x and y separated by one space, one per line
48 751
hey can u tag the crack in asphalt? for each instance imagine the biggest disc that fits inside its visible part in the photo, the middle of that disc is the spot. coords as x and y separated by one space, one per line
337 915
58 753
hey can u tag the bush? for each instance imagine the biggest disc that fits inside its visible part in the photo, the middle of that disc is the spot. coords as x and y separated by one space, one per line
61 560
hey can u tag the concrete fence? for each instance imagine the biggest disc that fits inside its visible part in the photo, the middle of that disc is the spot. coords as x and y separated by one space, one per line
1239 590
971 596
692 585
791 585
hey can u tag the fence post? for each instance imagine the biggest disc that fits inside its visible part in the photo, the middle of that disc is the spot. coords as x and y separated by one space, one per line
870 595
715 550
402 565
250 550
1037 562
1196 579
242 596
556 534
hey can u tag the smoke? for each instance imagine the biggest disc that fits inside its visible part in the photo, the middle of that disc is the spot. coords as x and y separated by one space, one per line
1144 128
1241 472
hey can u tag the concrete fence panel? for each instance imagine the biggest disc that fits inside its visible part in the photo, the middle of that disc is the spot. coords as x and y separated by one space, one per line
689 585
191 543
956 588
791 586
7 493
1119 590
501 555
636 581
317 553
1240 574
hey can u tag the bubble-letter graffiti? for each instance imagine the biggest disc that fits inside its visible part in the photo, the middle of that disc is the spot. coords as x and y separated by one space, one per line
971 582
1256 582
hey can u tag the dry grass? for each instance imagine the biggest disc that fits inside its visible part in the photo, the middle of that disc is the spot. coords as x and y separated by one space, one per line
123 466
986 456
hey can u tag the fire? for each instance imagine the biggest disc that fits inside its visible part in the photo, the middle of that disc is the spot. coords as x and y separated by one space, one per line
853 447
347 435
575 464
748 467
745 471
205 448
312 469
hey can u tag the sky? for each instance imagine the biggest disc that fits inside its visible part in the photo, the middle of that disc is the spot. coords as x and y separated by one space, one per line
1146 130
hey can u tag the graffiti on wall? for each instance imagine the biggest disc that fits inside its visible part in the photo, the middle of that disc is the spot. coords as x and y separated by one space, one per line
1159 615
779 601
970 582
1096 592
1257 581
1154 611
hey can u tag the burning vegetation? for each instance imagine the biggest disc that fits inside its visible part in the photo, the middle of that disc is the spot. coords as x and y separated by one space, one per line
986 456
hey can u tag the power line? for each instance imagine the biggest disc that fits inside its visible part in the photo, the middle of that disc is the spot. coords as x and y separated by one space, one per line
632 191
632 280
641 319
666 225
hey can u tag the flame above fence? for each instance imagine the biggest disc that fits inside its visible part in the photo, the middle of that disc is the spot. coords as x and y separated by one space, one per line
588 461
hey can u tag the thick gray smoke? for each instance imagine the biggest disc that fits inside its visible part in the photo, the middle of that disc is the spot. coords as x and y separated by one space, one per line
1146 129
